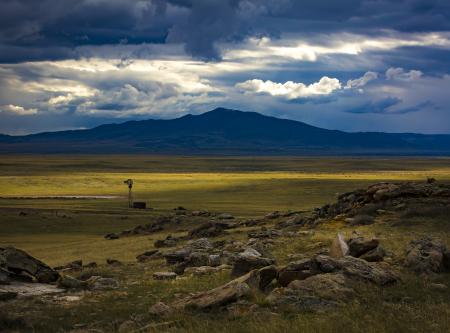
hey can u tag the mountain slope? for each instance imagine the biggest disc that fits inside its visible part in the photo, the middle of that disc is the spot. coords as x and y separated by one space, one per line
223 131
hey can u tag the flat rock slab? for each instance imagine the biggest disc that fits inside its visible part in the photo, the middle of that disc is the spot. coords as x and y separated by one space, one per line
26 289
164 276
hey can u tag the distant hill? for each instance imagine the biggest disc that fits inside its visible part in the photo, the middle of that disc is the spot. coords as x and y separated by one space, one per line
224 131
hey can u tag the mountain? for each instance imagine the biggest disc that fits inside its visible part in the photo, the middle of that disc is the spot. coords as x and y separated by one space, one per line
224 131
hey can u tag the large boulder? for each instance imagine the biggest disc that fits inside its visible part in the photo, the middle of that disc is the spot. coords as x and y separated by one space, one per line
427 255
249 260
17 262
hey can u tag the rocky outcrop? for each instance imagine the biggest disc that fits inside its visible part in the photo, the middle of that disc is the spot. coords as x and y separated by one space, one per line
210 229
17 264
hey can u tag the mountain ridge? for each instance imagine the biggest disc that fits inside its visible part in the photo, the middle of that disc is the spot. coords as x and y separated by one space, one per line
224 131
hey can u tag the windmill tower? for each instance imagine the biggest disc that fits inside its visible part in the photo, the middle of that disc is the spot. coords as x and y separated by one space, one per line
129 182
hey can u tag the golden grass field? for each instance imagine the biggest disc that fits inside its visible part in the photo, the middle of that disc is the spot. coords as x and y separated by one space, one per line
60 230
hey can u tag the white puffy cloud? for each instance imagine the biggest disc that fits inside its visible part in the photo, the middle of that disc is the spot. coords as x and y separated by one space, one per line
362 81
290 89
400 74
18 110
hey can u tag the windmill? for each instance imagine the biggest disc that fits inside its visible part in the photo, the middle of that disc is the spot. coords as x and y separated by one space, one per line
129 182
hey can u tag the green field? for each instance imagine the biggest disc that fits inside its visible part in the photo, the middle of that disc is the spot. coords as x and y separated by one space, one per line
60 230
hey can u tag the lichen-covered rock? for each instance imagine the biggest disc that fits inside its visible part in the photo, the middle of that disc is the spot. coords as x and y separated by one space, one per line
102 283
69 282
426 255
378 273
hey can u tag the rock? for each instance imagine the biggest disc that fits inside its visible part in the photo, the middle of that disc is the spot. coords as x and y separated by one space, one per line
339 247
113 262
223 295
17 262
69 282
378 273
264 233
101 283
249 260
297 270
331 286
6 295
426 255
359 245
76 265
273 215
377 254
197 259
147 255
225 216
177 256
209 229
438 286
201 244
4 276
127 326
202 270
214 260
203 213
91 265
164 276
160 309
290 299
27 289
111 236
264 276
326 264
170 241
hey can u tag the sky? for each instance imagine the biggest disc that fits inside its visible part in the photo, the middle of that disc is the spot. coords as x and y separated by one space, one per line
352 65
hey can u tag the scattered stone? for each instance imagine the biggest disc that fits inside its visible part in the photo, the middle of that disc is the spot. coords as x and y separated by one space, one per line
160 309
127 326
264 233
201 244
373 272
147 255
27 289
18 263
69 282
164 276
202 270
113 262
170 241
76 265
91 265
339 247
214 260
225 216
209 229
273 215
101 283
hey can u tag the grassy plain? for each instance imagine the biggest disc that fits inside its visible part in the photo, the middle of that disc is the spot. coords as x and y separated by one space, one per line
60 230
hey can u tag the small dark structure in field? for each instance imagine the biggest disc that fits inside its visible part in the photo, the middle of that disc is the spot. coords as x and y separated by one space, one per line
139 205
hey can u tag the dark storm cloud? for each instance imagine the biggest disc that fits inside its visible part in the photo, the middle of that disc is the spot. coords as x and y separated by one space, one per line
52 29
